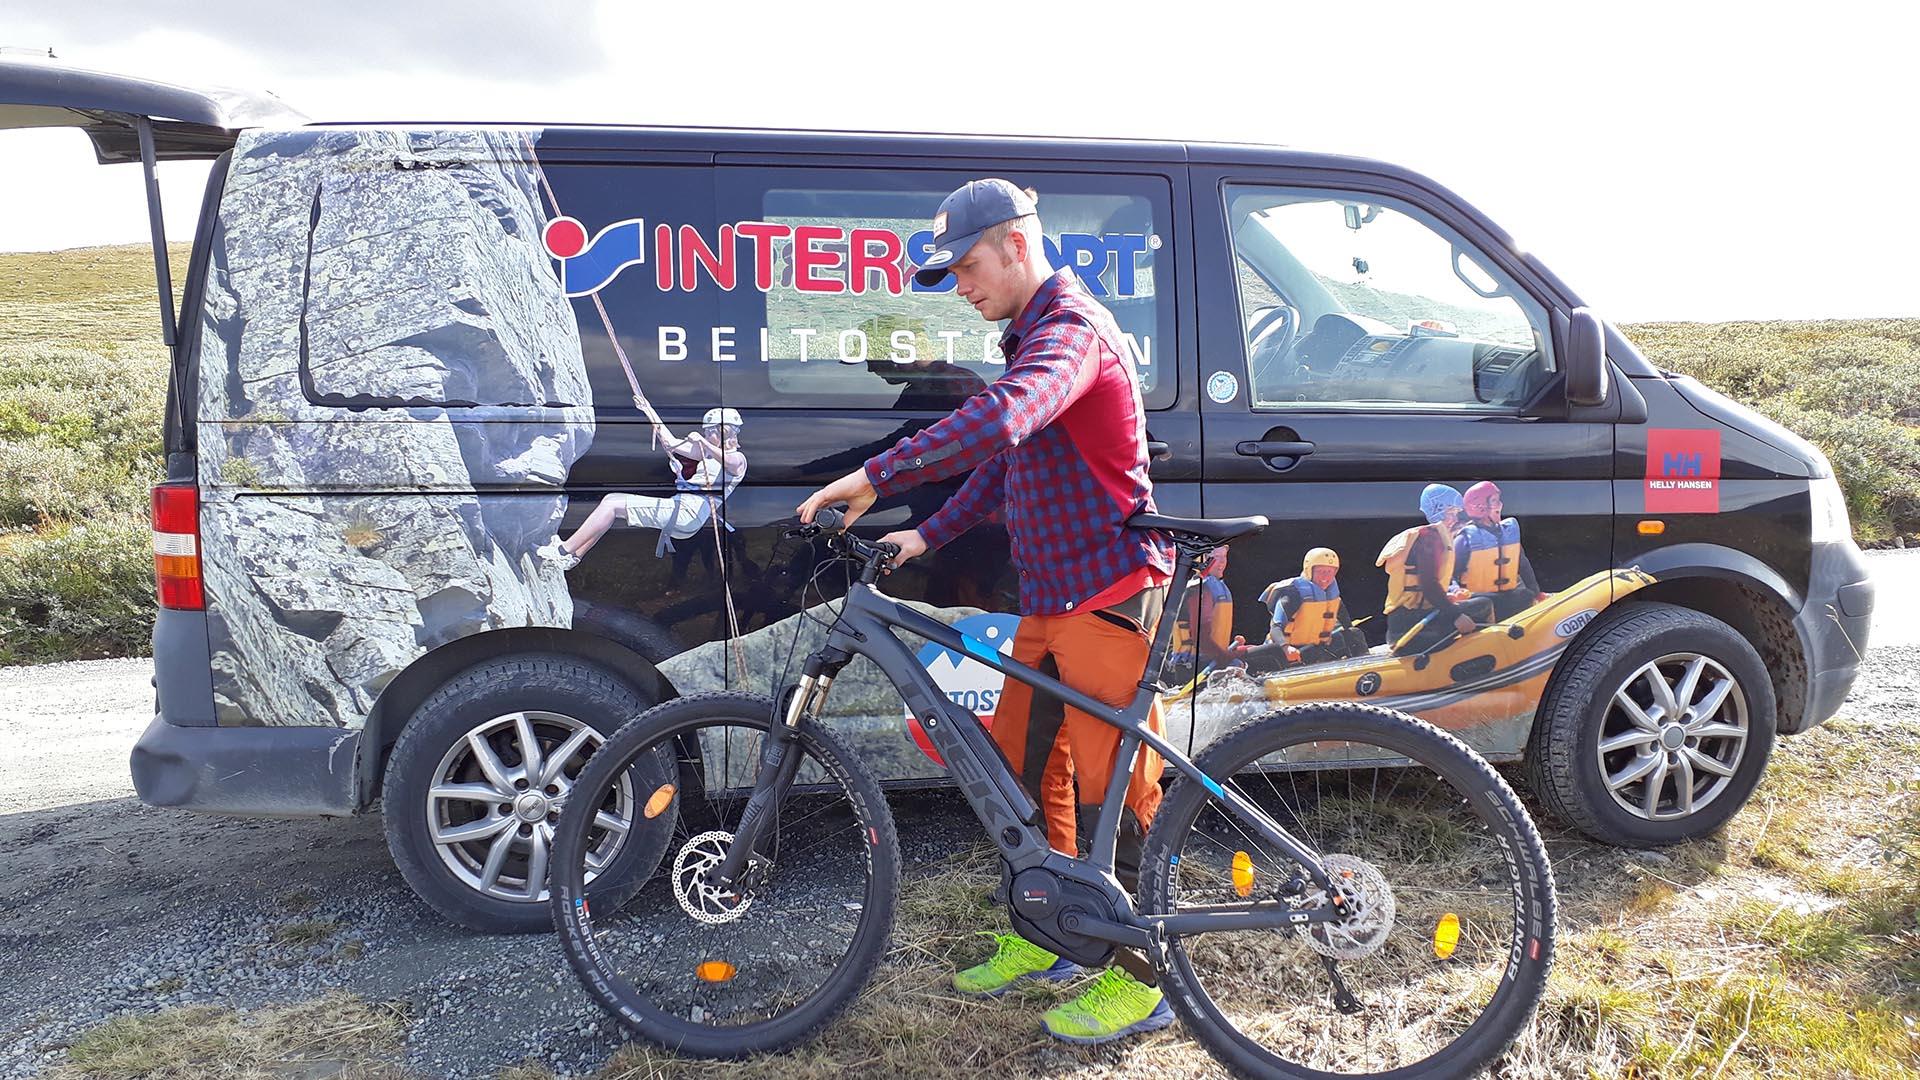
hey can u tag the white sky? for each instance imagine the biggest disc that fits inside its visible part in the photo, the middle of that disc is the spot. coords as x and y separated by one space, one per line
1695 161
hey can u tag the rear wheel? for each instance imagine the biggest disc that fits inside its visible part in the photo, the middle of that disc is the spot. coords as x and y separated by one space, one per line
1448 953
756 967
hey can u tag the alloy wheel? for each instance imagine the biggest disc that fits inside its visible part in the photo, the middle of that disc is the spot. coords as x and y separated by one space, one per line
1673 736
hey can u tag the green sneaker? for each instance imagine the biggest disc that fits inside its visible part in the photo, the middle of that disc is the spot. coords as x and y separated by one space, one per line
1114 1006
1014 958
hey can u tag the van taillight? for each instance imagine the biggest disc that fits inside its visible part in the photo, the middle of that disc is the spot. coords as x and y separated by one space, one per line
176 547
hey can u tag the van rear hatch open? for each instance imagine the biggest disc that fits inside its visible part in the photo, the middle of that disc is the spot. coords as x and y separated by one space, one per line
141 120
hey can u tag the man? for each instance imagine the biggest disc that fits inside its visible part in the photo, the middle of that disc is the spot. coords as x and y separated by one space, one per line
1423 606
1058 445
1487 558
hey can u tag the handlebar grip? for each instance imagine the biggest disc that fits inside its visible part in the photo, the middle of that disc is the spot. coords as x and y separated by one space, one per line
827 519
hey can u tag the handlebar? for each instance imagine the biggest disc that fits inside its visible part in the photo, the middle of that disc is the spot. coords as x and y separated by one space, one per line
876 558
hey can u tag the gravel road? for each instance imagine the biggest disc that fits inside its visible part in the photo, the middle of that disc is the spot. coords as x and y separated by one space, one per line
109 906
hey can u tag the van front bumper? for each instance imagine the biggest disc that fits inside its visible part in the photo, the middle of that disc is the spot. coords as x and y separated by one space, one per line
274 771
1833 624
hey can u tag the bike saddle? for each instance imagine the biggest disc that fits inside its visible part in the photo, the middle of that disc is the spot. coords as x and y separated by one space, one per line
1219 530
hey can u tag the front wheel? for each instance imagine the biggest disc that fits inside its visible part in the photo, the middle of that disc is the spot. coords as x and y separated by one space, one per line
762 964
1447 953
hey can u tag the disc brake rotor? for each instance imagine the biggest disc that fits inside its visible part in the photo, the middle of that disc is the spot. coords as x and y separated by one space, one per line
1365 933
697 898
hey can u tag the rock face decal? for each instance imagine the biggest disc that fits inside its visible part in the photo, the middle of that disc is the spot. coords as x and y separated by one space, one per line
391 395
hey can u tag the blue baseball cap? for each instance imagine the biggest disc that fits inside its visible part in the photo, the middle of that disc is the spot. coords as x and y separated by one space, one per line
963 216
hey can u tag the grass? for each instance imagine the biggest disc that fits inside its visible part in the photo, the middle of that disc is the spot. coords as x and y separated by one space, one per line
337 1035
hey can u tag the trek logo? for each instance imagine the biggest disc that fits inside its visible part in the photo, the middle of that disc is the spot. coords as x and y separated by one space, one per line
1683 471
824 259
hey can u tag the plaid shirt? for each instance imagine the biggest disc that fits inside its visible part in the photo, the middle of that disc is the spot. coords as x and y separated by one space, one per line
1058 443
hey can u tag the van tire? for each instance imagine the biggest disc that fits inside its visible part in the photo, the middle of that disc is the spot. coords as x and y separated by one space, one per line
567 693
1617 655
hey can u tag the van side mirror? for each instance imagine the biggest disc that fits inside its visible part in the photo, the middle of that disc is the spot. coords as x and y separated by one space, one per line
1586 359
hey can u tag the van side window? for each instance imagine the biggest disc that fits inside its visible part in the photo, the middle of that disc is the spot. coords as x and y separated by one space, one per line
1358 299
836 320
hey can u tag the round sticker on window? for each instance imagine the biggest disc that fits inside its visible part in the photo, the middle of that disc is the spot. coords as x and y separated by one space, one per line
1223 387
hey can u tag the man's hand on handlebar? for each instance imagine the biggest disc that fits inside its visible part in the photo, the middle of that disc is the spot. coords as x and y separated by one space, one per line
910 543
854 489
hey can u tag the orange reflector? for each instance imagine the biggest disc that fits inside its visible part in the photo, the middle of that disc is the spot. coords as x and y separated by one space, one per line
1652 527
715 971
657 802
1446 936
1242 873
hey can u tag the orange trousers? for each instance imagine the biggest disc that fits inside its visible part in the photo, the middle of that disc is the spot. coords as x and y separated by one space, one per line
1051 745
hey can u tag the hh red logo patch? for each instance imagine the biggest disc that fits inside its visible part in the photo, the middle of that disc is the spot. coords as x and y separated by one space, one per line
1683 471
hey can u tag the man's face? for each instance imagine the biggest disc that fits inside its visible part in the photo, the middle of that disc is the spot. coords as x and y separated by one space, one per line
986 277
1493 510
1323 576
1453 516
1217 566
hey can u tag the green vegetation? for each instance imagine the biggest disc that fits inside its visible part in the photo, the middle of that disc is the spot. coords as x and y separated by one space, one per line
336 1035
1851 387
82 387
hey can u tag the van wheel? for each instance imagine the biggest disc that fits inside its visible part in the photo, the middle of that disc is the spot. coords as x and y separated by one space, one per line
481 772
1654 729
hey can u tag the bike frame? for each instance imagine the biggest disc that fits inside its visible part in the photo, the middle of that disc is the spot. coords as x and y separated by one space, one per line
865 628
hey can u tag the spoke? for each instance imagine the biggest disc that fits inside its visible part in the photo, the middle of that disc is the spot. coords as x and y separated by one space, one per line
1690 682
485 793
557 761
1631 737
1655 785
472 830
537 860
1634 712
489 761
1662 691
1639 768
1683 782
496 858
1717 731
529 747
1703 761
1710 704
611 822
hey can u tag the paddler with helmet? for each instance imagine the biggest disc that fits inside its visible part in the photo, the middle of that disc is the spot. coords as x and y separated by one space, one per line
1310 622
1487 558
1419 565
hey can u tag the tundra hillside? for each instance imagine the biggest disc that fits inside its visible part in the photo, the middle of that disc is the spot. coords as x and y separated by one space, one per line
83 384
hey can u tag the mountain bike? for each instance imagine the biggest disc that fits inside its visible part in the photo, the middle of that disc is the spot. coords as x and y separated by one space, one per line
1329 889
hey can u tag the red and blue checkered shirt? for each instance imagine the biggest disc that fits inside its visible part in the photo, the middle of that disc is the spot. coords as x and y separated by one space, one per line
1058 443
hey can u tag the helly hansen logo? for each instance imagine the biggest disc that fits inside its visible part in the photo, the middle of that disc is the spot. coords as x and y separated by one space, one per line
1683 471
1681 464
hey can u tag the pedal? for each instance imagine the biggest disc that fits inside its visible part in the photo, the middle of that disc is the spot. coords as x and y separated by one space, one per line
1133 963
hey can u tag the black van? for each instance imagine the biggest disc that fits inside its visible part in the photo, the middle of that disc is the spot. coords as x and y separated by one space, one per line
480 439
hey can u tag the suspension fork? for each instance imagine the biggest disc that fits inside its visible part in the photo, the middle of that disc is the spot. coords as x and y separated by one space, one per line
779 762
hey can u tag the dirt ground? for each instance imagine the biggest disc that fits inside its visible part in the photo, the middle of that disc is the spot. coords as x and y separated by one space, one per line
108 906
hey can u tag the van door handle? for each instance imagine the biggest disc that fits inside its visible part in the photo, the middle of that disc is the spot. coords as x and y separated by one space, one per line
1272 448
1157 450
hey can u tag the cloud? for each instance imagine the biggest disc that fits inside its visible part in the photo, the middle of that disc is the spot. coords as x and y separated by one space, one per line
519 40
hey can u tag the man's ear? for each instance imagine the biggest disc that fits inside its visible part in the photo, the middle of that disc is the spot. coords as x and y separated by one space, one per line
1018 238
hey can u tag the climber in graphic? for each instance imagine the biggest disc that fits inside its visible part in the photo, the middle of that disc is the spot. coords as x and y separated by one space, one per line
706 459
1424 606
1310 623
1487 557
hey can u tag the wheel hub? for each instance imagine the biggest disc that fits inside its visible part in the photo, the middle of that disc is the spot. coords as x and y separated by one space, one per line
1673 736
1361 884
705 903
530 807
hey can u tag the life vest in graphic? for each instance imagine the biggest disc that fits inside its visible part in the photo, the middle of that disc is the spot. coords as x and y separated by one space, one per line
1215 610
1493 558
1313 621
1403 576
